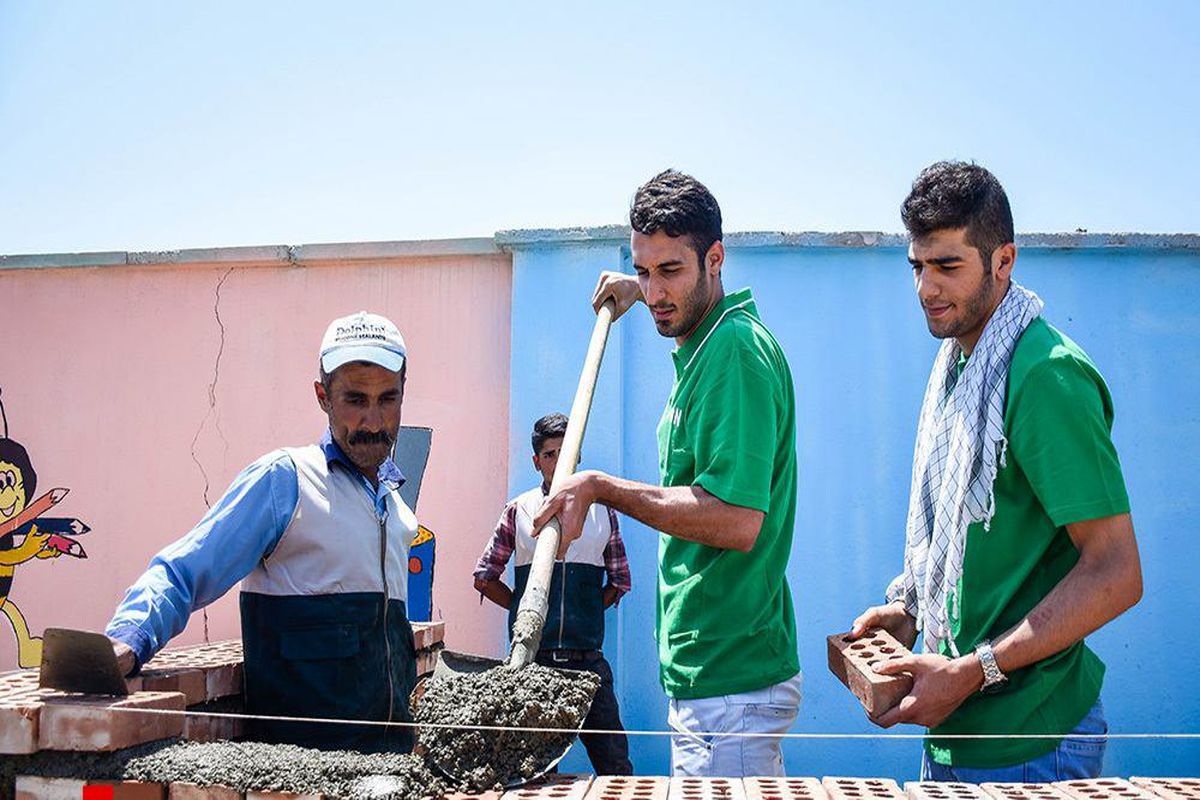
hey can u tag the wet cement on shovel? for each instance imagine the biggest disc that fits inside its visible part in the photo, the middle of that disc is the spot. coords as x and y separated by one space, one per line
529 697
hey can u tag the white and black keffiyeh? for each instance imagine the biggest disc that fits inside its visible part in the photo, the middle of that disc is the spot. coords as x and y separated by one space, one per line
960 446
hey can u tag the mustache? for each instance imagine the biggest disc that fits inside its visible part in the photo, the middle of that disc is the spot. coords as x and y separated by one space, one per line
369 437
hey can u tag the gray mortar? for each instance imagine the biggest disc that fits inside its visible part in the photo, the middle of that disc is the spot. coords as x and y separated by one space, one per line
276 767
529 697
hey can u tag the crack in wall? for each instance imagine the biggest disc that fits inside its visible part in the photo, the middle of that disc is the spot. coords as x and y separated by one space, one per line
212 407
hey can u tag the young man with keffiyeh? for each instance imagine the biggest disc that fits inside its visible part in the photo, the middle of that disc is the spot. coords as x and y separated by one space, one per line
1019 539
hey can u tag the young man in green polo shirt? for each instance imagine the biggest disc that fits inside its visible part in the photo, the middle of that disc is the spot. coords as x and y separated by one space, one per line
1019 540
727 456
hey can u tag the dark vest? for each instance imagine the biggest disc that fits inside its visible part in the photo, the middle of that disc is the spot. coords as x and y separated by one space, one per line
575 618
324 624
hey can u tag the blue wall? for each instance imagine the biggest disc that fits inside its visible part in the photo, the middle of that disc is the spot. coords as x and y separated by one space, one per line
860 355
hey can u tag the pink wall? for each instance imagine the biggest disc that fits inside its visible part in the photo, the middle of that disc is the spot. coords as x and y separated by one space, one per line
106 374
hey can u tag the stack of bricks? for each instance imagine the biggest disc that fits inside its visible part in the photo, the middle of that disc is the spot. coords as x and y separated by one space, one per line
33 719
585 787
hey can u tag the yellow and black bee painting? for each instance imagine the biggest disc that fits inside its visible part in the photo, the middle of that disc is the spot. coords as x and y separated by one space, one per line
28 534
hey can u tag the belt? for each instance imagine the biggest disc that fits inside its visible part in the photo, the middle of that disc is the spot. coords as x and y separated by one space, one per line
562 655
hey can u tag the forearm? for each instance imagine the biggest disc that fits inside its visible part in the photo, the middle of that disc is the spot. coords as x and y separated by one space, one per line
685 512
495 590
1094 592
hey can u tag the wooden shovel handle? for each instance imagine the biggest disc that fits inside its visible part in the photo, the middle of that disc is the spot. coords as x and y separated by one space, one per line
531 613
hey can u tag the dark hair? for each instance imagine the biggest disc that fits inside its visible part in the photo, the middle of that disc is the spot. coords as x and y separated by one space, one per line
678 205
955 194
16 455
551 426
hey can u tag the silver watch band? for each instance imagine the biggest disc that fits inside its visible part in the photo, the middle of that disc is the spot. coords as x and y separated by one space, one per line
992 676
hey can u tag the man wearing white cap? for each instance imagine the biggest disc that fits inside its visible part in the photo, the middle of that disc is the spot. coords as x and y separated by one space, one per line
319 537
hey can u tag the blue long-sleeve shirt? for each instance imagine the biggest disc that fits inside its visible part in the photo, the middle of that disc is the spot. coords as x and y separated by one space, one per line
240 530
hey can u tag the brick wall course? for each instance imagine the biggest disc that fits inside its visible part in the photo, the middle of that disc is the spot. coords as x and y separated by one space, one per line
95 723
190 791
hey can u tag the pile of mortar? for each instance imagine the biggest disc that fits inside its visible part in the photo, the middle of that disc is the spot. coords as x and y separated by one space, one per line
529 697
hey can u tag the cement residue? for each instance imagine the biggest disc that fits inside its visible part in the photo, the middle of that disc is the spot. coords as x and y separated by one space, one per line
530 697
287 768
527 625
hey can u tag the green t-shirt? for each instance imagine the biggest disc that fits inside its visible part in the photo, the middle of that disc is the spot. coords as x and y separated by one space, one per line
1061 468
725 622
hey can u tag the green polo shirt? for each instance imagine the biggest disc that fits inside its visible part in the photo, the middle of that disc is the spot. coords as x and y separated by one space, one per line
725 622
1061 467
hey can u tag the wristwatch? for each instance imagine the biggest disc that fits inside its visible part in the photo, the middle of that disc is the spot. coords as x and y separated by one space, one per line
993 678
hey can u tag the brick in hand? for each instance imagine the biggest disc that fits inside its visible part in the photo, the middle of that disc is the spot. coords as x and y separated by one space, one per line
851 660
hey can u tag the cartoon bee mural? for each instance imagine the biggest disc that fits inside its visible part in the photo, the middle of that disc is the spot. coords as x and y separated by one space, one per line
25 535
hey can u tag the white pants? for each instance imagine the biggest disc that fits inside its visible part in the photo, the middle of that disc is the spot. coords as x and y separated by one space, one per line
700 749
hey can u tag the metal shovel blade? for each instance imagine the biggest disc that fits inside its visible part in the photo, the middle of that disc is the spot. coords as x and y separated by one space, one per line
451 664
80 661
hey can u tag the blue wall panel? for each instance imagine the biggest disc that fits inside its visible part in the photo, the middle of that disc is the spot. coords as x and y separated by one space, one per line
860 355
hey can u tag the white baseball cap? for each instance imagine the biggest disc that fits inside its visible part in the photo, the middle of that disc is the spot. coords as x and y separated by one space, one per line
363 337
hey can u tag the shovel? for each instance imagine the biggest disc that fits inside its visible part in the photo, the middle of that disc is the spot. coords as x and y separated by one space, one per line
80 661
531 613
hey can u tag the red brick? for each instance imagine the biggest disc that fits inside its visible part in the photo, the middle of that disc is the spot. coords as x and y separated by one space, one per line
706 789
851 660
620 787
784 789
19 726
944 790
863 789
134 790
1104 789
221 663
1170 788
192 683
1023 791
29 787
428 634
553 787
91 723
20 705
191 791
201 727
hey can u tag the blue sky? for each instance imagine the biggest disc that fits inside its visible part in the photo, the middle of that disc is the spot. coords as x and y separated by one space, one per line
157 125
